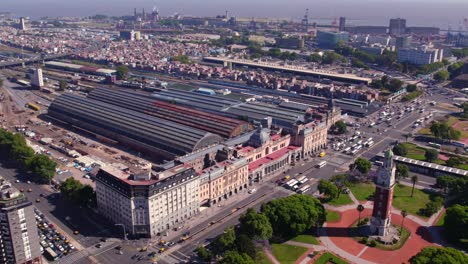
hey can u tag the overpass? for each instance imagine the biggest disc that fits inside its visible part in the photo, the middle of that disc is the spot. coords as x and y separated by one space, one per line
32 60
349 78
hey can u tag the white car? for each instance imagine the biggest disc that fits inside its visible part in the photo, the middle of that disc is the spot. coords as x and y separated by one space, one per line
17 181
252 191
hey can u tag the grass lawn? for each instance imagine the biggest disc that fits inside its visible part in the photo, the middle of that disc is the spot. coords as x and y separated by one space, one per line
328 257
308 239
403 200
425 131
342 200
362 190
403 237
333 216
415 152
287 254
441 220
262 258
463 166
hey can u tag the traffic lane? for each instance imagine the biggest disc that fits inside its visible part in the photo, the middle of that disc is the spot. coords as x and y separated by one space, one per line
423 180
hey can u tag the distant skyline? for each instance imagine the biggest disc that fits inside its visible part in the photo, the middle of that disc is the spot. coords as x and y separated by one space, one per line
362 12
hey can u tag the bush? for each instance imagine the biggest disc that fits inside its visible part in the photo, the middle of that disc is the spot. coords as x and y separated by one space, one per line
363 240
411 96
373 243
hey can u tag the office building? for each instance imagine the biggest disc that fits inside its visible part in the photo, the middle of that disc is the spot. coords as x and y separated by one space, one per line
290 43
420 56
342 26
147 205
37 80
423 30
403 42
19 242
397 27
326 39
373 30
130 35
22 23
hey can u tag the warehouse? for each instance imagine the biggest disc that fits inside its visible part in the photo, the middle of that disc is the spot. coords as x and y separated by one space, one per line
79 68
143 132
216 124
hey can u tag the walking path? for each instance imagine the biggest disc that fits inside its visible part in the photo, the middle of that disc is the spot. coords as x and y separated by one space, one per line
270 256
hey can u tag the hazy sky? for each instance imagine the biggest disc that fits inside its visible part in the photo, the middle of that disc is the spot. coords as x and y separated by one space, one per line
418 12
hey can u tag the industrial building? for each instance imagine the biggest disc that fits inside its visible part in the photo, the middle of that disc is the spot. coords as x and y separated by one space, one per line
216 124
421 56
19 241
143 132
78 68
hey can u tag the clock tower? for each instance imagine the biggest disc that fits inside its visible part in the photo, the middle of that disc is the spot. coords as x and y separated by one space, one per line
385 182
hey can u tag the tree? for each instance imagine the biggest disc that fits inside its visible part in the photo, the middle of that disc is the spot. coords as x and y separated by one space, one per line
234 257
255 225
292 215
63 85
362 165
456 223
431 155
441 75
411 88
245 245
414 180
86 196
121 72
340 127
76 192
394 85
314 58
21 153
404 214
400 150
454 162
1 82
402 171
70 186
439 255
227 240
328 188
42 167
360 208
408 135
203 254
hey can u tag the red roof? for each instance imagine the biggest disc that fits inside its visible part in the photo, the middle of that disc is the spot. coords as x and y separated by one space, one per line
271 157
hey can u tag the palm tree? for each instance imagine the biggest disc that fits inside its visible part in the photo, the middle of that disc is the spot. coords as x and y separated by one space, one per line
409 135
404 214
414 180
360 208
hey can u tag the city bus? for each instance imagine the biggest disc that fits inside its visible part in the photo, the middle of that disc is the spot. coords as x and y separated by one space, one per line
304 189
33 106
321 164
370 143
292 183
303 179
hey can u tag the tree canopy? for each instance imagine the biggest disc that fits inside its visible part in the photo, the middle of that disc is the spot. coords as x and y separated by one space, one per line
292 215
339 127
78 193
400 150
456 224
362 165
234 257
436 255
42 167
441 75
431 155
402 171
121 72
444 131
227 240
328 188
255 225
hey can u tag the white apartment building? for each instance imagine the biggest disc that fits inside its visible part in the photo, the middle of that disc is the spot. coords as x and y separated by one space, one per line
148 205
421 56
37 79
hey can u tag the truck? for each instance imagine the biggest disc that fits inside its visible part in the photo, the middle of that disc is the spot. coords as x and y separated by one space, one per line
33 106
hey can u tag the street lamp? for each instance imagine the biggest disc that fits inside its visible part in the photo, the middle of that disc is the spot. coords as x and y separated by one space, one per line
125 233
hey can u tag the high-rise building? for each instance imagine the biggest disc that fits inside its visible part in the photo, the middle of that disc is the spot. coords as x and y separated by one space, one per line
19 242
37 81
327 39
403 42
384 185
426 54
397 27
342 26
22 23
